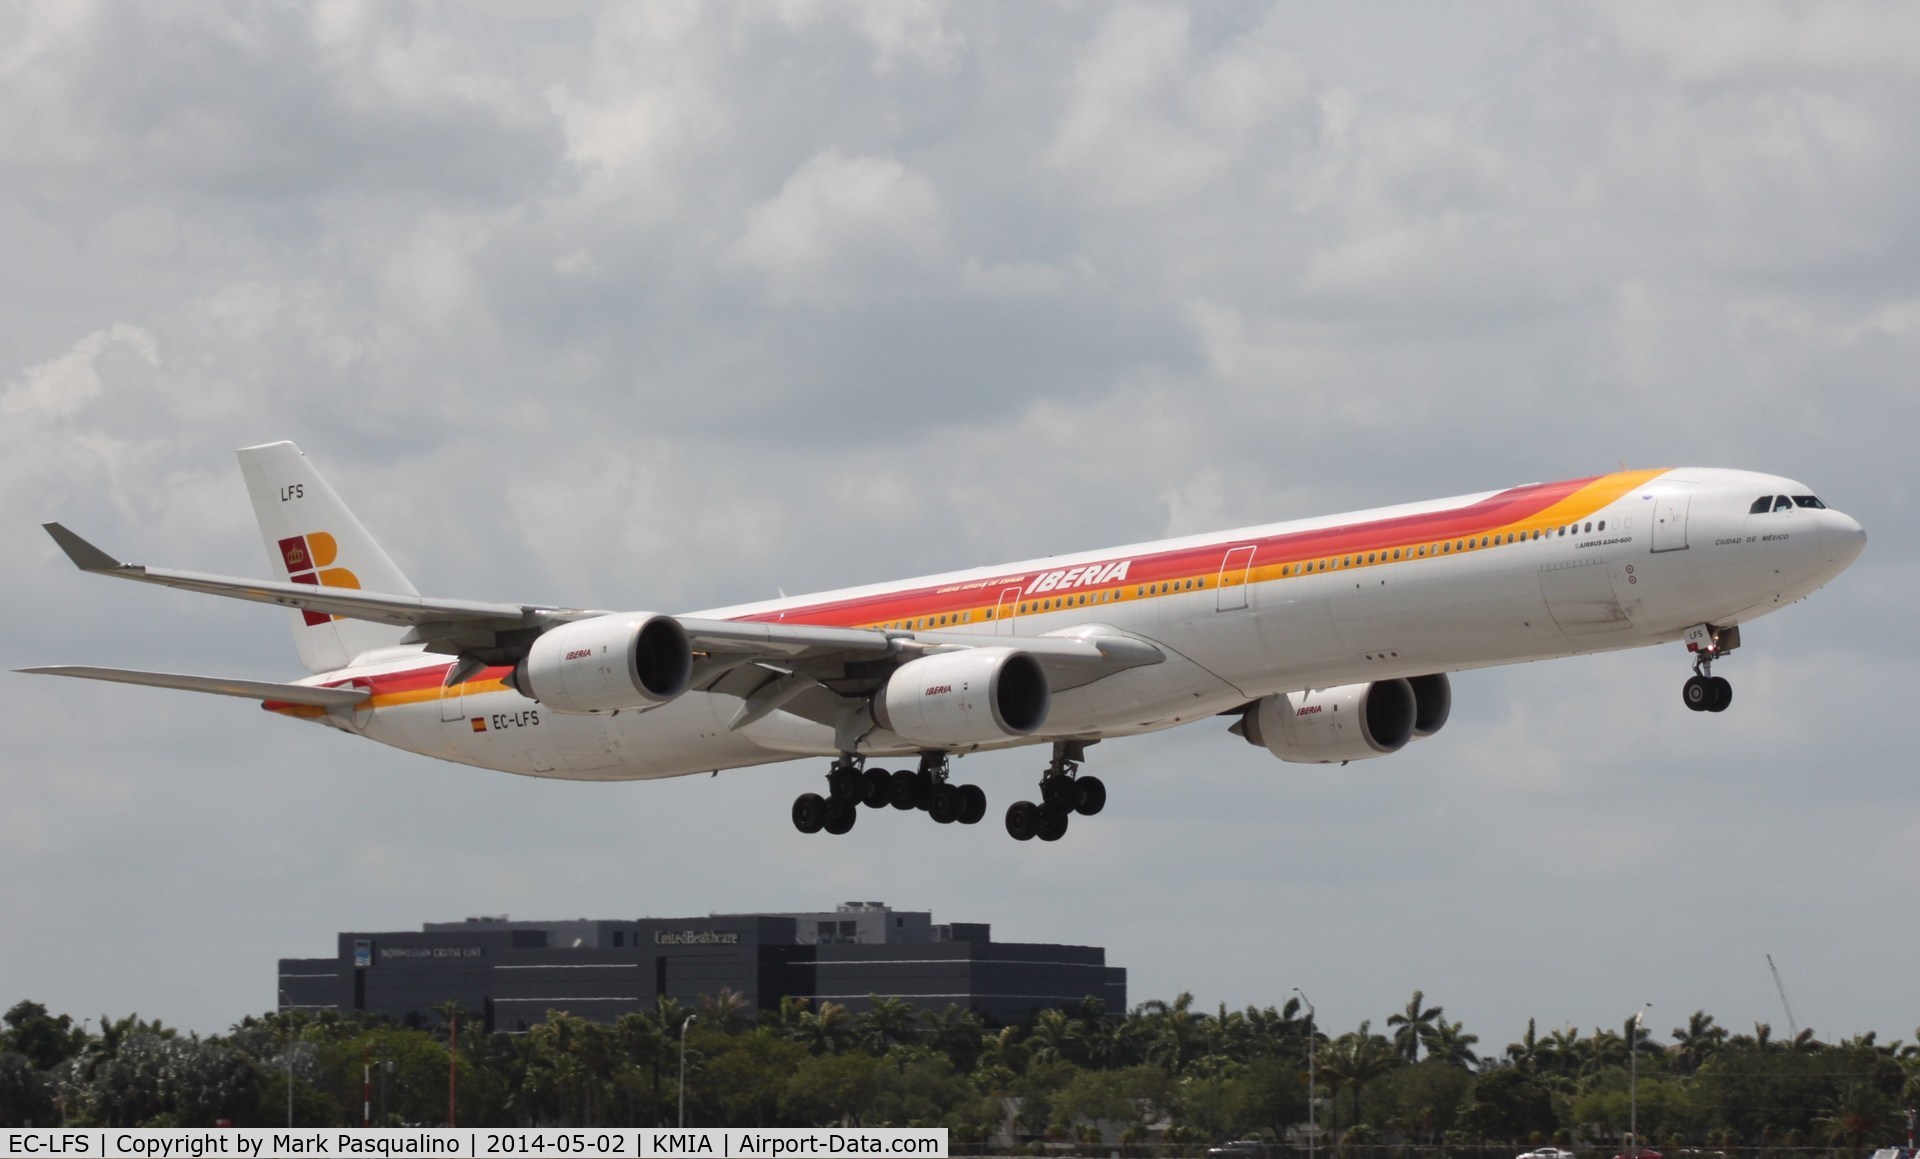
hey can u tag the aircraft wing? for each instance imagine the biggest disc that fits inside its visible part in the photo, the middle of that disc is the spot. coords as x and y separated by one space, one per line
844 660
379 607
218 685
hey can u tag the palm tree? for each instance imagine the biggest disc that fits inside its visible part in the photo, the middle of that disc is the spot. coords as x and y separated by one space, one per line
1566 1050
1054 1037
828 1029
887 1022
725 1011
1355 1059
1526 1053
1698 1041
1173 1031
1413 1026
1448 1043
956 1033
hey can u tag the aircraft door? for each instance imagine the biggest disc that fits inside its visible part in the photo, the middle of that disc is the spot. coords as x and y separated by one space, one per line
1235 568
453 702
1003 615
1670 519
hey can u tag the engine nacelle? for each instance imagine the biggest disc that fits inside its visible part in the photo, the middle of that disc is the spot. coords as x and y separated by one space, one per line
952 699
626 660
1350 723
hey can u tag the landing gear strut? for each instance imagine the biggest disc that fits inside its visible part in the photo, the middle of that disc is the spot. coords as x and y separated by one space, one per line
1063 792
1703 691
850 785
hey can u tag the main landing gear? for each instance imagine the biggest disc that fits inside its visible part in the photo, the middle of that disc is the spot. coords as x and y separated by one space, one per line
849 785
1703 691
1062 794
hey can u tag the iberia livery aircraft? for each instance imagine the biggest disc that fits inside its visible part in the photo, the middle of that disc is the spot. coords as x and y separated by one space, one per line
1323 639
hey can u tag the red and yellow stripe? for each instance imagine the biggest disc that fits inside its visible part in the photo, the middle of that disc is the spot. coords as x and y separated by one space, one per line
1509 517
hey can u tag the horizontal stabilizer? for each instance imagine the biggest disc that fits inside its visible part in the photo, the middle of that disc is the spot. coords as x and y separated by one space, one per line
219 686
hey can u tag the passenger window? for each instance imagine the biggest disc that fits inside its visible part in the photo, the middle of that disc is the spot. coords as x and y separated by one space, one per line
1423 549
1603 525
1781 503
1808 501
1446 547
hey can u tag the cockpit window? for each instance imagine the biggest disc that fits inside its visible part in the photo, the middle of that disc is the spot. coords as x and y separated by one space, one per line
1808 501
1761 505
1781 503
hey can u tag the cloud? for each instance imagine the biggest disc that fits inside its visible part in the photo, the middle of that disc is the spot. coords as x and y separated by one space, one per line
673 305
844 222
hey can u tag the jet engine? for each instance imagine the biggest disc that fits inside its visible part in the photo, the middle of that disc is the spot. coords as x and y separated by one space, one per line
952 699
1350 723
628 660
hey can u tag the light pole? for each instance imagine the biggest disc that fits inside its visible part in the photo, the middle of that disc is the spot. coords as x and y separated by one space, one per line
683 1067
1633 1079
1313 1132
286 1012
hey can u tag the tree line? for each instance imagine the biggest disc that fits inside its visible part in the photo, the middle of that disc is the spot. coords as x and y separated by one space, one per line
1164 1073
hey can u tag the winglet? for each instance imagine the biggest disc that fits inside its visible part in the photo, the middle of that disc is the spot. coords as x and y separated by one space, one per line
84 555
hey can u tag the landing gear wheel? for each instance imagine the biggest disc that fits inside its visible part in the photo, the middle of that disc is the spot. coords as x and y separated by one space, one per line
809 812
903 792
1023 820
944 804
1698 693
1093 796
878 791
840 815
1058 792
846 783
1722 694
1053 825
973 804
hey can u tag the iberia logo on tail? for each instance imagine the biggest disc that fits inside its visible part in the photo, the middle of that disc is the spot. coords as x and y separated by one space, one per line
309 560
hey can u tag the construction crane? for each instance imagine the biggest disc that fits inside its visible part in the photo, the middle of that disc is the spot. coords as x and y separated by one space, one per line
1793 1028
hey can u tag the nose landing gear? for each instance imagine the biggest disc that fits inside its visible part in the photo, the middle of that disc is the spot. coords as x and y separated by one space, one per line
1062 793
1703 691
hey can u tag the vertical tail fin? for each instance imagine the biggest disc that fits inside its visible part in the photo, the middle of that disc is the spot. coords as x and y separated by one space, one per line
312 538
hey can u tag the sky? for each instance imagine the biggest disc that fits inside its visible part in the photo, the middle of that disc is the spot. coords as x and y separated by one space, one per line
676 305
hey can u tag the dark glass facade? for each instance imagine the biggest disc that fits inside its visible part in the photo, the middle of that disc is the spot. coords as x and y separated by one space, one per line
513 972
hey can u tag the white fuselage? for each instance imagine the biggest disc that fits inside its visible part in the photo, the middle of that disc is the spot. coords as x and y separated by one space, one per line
1617 561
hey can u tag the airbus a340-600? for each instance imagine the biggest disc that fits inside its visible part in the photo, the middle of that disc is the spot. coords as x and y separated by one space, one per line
1320 640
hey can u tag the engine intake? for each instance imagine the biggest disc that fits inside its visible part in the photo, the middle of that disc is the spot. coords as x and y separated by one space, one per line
1353 722
627 660
972 697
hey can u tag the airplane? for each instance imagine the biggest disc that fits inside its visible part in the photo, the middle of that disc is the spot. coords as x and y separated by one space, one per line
1323 640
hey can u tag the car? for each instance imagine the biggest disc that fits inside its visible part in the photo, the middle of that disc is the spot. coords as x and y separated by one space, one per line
1894 1153
1546 1153
1640 1153
1239 1149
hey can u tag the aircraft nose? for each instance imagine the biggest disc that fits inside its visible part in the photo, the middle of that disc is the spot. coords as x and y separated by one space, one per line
1847 537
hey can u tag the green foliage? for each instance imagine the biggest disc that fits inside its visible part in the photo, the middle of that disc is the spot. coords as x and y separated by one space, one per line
1506 1106
27 1097
1070 1077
